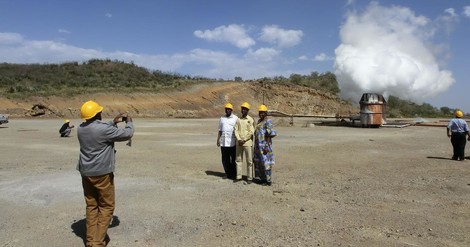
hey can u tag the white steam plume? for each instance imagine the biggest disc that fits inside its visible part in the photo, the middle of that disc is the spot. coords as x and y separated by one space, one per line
384 50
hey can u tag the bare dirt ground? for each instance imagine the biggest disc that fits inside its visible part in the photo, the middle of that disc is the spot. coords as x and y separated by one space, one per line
333 186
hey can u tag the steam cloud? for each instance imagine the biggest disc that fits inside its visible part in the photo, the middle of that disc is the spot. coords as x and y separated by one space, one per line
384 50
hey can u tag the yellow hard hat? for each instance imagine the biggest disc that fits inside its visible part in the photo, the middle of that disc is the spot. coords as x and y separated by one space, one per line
458 113
262 108
229 106
67 121
246 105
90 109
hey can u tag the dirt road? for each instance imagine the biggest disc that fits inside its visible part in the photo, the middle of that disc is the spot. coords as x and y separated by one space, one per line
333 186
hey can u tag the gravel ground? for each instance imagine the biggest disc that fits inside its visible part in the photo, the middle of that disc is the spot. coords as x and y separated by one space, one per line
333 186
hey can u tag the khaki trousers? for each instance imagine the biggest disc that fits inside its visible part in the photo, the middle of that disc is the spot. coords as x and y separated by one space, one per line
247 153
99 198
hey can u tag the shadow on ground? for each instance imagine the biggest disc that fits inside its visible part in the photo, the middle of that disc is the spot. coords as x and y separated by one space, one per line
79 228
438 158
444 158
215 174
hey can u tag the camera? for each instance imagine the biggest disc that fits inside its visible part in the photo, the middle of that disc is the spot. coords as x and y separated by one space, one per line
124 119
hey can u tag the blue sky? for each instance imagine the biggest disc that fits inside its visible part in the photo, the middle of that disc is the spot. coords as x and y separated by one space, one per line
417 50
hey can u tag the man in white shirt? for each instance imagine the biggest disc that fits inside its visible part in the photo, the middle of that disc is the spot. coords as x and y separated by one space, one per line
226 141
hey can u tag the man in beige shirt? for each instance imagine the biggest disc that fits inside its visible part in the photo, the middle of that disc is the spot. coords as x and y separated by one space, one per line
244 130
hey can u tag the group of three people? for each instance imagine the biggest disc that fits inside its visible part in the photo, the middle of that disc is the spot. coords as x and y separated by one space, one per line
241 138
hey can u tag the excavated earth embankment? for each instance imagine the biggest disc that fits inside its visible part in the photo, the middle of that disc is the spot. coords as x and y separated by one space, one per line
194 101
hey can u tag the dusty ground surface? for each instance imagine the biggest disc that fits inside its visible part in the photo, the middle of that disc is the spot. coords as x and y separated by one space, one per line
333 186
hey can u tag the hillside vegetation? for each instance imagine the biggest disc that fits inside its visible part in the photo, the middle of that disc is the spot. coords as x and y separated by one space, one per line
23 80
27 85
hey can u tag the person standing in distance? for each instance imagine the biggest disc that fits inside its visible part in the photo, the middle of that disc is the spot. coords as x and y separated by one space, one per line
96 165
244 130
66 129
457 129
226 141
263 155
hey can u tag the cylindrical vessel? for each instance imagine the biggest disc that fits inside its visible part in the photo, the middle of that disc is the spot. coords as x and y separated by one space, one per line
373 108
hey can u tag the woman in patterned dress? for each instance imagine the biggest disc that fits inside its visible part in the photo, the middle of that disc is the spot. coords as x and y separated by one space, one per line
263 156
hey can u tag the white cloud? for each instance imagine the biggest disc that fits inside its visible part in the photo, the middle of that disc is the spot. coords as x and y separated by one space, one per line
214 64
451 12
281 37
447 21
225 65
63 31
318 58
466 11
322 57
233 34
385 50
207 56
109 15
263 54
10 38
44 51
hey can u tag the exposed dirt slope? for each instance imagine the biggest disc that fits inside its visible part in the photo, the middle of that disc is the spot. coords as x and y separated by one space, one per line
195 101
